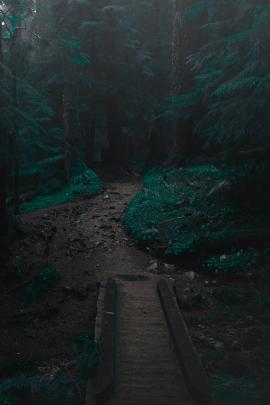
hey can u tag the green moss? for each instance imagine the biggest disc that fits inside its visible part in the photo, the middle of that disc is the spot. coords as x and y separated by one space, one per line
169 209
234 262
85 185
229 390
191 211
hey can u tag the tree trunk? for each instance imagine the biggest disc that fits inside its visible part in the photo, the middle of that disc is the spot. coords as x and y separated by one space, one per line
114 129
4 229
16 154
89 136
114 115
188 37
69 122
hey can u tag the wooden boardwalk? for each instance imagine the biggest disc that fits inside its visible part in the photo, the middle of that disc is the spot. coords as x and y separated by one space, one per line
144 368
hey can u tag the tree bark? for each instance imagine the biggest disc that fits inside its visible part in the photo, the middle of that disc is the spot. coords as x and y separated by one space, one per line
114 114
114 129
69 122
188 37
89 136
14 136
4 228
16 154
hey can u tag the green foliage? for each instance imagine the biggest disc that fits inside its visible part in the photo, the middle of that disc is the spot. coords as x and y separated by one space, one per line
235 262
229 297
59 390
191 211
88 356
36 389
99 49
44 281
230 78
85 185
197 8
229 390
169 209
48 277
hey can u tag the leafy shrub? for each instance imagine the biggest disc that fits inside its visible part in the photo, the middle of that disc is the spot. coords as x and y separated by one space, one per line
234 262
229 390
229 297
35 389
85 185
174 209
191 212
88 356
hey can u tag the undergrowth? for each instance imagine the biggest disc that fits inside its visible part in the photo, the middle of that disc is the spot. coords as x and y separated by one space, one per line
193 213
84 185
29 386
233 391
44 281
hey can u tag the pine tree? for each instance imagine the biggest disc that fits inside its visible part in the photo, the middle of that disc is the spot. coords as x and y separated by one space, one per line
188 37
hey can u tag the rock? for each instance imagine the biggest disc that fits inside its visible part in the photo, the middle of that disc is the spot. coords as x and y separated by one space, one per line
218 345
235 345
116 219
77 292
153 268
191 275
210 283
199 301
169 268
189 300
105 226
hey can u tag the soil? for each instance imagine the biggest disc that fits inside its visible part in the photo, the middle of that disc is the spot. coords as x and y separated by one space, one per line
85 242
229 321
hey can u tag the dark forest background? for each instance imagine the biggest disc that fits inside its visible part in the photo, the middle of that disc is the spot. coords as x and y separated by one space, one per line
134 84
171 92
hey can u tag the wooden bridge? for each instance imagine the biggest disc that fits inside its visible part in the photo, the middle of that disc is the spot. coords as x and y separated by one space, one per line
148 357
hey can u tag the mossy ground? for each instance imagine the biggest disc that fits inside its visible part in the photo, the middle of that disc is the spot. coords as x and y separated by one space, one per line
193 213
85 185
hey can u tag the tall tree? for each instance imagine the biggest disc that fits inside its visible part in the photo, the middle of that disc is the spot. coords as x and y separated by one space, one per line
3 163
188 36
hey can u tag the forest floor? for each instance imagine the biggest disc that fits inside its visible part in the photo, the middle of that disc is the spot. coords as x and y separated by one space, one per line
85 243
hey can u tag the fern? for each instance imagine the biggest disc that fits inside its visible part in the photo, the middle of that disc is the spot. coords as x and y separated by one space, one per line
231 77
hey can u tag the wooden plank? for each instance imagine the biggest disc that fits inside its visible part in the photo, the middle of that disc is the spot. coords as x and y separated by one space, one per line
104 384
192 369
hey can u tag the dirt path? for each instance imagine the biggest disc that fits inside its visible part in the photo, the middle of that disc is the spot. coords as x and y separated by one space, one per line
85 242
113 253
